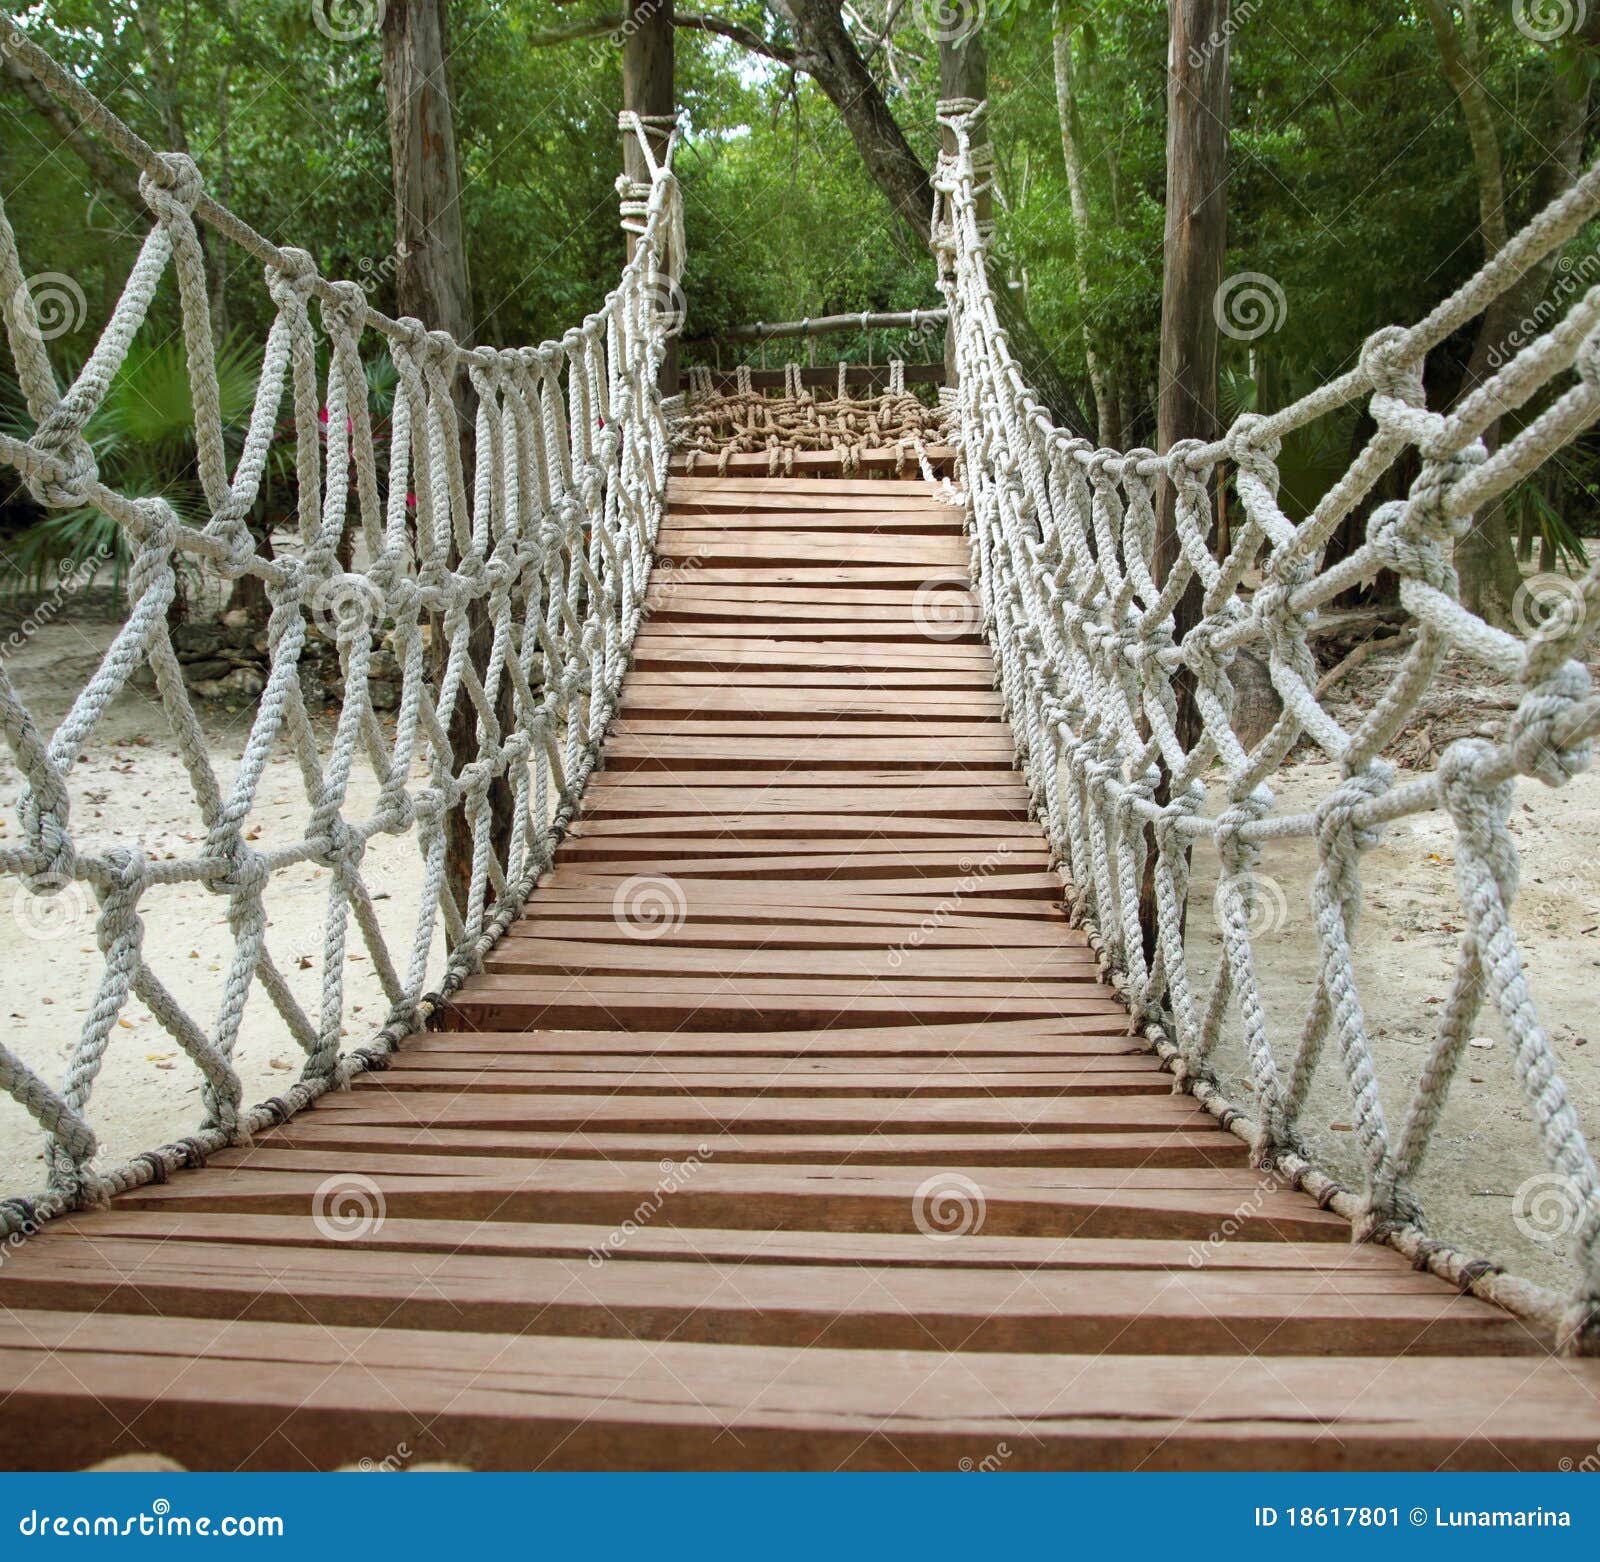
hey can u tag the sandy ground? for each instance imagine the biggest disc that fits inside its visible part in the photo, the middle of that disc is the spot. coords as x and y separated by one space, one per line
131 784
1485 1147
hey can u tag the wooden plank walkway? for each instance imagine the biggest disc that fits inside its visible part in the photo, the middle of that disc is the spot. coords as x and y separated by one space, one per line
789 1127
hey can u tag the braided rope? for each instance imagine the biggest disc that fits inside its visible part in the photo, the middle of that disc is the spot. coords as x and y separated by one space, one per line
551 548
1088 653
718 425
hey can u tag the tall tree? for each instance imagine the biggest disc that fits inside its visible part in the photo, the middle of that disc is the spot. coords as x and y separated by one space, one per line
432 283
1105 404
1485 557
1195 245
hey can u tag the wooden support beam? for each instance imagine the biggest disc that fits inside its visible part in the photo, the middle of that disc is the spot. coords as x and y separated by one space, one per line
648 90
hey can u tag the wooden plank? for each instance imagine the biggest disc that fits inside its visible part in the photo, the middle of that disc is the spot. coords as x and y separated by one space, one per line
1144 1311
996 1112
820 463
553 955
515 1401
976 1250
867 984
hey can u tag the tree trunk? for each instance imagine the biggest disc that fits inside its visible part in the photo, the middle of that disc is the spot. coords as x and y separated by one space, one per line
825 52
648 90
1072 157
432 283
1195 250
1195 245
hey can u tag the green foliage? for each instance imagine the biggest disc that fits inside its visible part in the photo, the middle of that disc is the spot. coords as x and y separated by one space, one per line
1351 186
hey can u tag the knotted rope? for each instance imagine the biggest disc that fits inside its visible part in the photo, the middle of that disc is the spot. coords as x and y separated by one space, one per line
1089 658
551 547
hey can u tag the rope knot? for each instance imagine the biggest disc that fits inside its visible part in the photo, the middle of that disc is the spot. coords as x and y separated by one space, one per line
1411 554
1178 466
1534 728
1338 835
173 192
346 313
292 278
1431 492
62 480
1252 448
437 350
1587 362
1390 372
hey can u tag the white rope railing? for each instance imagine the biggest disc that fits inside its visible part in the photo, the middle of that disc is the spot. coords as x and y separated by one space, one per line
543 532
1088 652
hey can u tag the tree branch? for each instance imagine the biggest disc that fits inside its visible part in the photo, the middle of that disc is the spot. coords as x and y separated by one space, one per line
614 22
111 175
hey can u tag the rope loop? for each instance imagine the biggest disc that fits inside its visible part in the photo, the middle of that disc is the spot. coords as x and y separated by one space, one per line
173 189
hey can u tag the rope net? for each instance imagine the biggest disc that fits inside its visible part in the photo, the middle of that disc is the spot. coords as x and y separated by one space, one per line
529 531
718 425
1091 660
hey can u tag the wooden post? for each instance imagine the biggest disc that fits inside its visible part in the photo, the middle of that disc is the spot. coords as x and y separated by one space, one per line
1196 237
1195 253
964 73
432 283
648 90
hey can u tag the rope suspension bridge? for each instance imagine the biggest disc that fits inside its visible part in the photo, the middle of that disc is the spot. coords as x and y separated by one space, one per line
800 1083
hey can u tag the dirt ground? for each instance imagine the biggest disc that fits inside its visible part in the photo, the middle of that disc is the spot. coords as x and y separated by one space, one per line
131 783
1485 1185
